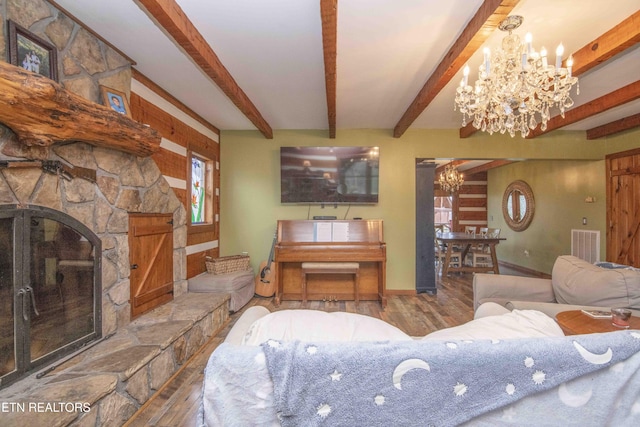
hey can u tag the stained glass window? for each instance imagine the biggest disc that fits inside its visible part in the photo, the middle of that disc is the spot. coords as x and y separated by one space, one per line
198 190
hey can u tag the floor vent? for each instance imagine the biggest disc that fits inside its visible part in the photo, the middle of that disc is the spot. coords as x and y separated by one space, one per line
585 244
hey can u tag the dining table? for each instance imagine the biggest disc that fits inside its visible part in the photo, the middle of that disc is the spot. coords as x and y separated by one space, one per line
465 241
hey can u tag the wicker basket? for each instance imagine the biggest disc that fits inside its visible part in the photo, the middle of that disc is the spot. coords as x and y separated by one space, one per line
227 264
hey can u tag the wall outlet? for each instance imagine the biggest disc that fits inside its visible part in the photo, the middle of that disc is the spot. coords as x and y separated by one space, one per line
526 252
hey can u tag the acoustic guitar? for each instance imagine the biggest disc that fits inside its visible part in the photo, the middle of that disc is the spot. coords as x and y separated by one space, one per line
266 277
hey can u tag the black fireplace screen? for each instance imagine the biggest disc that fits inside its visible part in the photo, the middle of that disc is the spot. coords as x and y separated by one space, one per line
50 290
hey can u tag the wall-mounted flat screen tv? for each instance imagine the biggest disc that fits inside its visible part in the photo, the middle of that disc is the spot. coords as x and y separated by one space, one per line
329 174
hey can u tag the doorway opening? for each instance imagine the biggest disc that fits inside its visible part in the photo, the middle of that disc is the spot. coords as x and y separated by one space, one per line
443 212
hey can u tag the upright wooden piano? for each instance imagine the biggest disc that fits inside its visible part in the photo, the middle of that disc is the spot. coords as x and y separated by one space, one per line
358 241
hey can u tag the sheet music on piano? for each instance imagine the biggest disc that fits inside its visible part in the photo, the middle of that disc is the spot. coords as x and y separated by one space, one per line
340 232
331 232
322 232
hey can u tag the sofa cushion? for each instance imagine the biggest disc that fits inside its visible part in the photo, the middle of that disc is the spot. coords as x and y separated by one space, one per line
239 285
313 325
515 324
576 281
228 282
244 322
490 309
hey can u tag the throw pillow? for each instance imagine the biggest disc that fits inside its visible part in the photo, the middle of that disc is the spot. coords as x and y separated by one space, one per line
516 324
313 325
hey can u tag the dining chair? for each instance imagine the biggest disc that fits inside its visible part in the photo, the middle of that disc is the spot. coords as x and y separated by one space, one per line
441 255
469 229
477 249
482 258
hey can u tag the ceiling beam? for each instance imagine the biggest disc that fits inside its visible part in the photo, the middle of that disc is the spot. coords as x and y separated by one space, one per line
487 166
329 15
481 26
173 20
613 99
454 163
614 127
616 40
468 130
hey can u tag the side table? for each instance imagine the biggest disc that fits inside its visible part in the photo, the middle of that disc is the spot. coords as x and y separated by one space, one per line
575 322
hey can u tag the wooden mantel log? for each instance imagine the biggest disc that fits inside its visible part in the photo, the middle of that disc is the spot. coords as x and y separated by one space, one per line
41 112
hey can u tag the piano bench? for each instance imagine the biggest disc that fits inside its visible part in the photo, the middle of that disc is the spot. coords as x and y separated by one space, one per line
331 268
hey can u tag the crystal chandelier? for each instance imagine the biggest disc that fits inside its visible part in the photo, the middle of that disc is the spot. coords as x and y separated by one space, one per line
450 180
516 86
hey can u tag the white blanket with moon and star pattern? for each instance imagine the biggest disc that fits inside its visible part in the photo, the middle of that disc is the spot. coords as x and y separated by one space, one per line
576 380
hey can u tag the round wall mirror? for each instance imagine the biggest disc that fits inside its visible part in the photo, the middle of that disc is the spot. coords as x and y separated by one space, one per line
518 205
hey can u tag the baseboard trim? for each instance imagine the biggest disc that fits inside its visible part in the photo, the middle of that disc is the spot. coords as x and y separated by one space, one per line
519 268
525 270
394 292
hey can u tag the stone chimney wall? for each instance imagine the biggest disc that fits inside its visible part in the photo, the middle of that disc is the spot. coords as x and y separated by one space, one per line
84 61
125 183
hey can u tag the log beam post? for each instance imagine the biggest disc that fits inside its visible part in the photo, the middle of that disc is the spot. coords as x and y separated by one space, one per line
42 112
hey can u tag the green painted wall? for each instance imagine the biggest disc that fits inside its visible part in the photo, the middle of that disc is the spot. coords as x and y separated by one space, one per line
250 187
560 188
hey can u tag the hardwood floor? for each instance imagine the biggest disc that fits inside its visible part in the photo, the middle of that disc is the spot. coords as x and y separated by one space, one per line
417 315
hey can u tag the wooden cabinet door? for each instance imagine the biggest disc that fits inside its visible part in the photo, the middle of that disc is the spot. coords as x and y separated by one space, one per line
623 207
151 258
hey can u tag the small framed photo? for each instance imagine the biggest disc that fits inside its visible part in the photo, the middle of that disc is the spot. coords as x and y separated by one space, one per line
115 100
32 53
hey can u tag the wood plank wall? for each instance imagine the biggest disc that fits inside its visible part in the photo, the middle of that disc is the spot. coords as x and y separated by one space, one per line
469 203
179 138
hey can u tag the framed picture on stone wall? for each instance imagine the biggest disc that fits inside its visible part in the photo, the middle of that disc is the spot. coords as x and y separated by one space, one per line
116 100
31 52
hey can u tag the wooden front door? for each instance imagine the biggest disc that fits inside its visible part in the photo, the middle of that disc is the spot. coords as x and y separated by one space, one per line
623 207
151 259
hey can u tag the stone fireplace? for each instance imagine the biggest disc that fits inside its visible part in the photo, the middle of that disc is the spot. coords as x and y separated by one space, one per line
125 182
112 379
114 375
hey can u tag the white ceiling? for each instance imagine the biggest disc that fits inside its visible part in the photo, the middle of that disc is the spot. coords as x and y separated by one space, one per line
386 50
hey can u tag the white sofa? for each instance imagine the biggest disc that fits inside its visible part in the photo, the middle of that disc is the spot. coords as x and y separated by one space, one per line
257 325
574 284
253 378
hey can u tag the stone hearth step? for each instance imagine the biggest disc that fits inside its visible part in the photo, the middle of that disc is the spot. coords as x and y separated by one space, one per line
109 382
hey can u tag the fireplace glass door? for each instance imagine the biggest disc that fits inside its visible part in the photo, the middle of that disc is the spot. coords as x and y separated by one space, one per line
7 324
49 289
